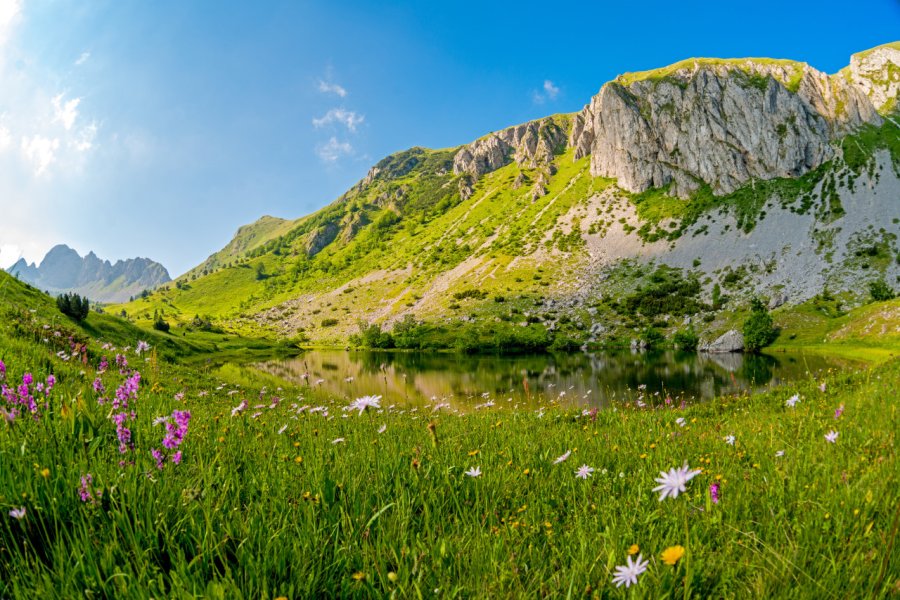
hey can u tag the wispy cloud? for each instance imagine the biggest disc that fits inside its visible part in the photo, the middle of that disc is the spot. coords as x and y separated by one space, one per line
84 141
6 138
40 151
82 59
9 12
351 120
65 112
333 149
550 92
332 88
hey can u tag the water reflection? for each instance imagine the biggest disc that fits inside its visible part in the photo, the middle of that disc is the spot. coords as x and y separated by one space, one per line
591 379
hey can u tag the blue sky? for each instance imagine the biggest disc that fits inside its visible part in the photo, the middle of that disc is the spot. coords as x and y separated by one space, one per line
157 128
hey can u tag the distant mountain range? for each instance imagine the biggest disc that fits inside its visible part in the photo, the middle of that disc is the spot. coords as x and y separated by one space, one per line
64 270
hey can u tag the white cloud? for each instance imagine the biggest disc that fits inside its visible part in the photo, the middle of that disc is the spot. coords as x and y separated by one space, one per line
40 152
85 139
348 118
9 254
9 11
332 88
6 138
65 112
332 150
550 92
82 59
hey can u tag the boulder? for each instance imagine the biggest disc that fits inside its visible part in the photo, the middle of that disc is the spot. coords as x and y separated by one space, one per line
730 341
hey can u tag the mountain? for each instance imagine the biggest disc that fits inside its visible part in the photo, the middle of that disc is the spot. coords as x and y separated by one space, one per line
64 270
672 197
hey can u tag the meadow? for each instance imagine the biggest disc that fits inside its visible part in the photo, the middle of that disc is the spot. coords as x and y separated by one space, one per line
125 475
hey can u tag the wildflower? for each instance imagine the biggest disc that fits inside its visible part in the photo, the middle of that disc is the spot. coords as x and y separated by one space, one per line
337 441
45 473
839 411
714 492
633 549
359 576
673 482
562 458
2 371
584 472
831 436
86 491
823 387
680 421
628 573
474 472
142 346
779 454
729 439
792 401
239 408
672 554
382 429
283 429
361 404
18 513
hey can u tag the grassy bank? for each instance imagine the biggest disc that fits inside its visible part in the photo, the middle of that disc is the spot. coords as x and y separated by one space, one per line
286 499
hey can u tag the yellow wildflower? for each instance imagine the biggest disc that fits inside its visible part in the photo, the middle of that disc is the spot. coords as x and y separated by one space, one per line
634 549
672 554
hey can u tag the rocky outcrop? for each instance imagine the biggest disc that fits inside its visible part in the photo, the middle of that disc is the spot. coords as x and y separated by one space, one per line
320 237
720 123
530 145
876 73
64 270
730 341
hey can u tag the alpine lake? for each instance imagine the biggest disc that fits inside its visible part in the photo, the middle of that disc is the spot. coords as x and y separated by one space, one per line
465 382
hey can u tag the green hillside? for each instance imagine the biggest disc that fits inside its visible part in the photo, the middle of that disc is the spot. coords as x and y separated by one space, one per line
406 243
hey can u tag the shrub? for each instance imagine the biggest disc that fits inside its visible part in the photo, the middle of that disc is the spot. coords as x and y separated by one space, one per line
759 329
329 322
686 339
476 294
881 291
73 305
371 336
161 324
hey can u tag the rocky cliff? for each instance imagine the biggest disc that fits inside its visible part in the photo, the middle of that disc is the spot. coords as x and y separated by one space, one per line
64 270
714 122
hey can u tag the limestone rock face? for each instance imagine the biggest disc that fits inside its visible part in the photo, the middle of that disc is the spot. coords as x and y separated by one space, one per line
730 341
719 123
531 144
876 73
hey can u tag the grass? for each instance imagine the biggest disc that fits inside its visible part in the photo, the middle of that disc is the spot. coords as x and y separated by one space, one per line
267 505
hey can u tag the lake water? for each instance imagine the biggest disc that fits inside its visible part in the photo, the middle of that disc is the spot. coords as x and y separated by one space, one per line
579 379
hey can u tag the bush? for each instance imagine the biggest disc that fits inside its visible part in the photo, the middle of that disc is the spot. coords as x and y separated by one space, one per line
652 337
161 324
686 339
329 322
73 305
881 291
759 329
371 336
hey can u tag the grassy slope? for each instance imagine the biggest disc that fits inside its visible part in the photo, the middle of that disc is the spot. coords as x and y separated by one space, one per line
248 238
19 300
251 512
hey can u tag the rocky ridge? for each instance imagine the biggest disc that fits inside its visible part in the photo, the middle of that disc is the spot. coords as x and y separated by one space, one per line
64 270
